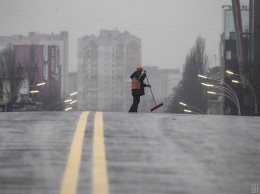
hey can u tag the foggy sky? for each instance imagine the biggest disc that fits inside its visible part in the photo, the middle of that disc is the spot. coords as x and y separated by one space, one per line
168 28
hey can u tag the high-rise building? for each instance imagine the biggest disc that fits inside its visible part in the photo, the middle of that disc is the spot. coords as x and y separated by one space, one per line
104 66
162 81
60 40
236 98
168 79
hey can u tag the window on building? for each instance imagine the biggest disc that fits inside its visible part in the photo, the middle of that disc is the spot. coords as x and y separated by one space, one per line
228 55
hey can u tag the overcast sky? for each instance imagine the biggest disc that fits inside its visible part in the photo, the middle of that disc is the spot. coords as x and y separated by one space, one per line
168 28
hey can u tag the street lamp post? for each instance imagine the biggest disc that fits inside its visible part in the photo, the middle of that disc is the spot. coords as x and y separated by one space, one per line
233 100
228 89
67 109
34 91
189 111
10 96
40 84
72 101
232 96
248 84
69 101
184 104
74 93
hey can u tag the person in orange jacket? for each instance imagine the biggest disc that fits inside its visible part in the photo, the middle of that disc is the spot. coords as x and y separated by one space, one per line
137 87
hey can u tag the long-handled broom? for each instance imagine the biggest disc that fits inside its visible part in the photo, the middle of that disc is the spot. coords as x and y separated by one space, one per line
156 106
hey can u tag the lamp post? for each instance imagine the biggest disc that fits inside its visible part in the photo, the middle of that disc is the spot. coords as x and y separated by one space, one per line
248 84
184 104
74 93
67 109
74 101
230 92
189 111
237 105
16 92
69 101
40 84
34 91
231 96
227 89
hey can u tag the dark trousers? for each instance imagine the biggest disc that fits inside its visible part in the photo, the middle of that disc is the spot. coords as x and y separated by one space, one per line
136 101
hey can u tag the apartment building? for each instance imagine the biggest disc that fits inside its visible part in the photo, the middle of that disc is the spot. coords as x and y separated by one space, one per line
163 81
230 61
105 63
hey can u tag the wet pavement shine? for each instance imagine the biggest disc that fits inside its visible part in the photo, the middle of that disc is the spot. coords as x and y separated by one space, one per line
122 153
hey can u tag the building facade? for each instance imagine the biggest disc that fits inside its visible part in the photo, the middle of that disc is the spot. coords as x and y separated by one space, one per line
104 66
46 69
255 47
35 64
163 81
236 99
59 40
169 79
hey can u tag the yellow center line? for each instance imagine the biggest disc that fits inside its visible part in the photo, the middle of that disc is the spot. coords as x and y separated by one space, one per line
100 177
70 179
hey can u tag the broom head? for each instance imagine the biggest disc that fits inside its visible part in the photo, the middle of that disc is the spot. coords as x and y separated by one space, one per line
157 106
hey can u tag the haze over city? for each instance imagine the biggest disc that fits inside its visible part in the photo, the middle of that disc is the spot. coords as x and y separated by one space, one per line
80 115
168 28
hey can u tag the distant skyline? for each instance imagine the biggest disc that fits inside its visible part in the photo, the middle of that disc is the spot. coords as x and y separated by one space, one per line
168 28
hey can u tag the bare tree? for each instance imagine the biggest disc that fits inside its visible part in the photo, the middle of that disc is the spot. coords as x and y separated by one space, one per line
190 89
30 68
51 101
12 74
172 104
31 65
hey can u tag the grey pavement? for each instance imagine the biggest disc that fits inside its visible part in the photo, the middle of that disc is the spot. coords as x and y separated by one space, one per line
146 153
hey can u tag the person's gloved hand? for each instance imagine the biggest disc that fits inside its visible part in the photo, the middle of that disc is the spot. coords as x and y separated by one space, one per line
145 71
148 85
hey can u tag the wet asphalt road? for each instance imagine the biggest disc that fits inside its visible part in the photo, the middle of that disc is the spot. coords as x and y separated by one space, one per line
143 153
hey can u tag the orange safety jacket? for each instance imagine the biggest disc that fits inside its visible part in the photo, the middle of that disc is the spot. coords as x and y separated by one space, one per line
136 84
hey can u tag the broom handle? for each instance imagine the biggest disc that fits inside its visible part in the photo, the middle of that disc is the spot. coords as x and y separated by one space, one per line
150 89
